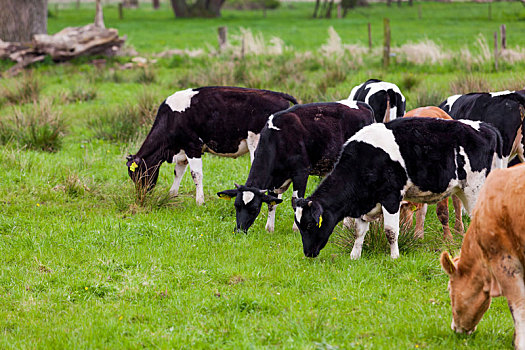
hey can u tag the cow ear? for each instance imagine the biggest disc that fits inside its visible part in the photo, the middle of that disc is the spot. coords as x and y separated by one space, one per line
317 212
447 263
271 199
228 194
129 157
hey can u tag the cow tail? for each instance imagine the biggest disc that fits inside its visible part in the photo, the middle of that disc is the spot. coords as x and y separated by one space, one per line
288 97
386 118
499 147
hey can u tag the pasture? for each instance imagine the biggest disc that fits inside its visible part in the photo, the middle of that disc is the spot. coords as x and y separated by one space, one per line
86 263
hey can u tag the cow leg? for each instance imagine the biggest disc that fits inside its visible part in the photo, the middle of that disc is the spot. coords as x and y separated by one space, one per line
252 141
361 228
421 214
442 214
391 223
270 222
197 175
508 272
181 162
458 226
299 189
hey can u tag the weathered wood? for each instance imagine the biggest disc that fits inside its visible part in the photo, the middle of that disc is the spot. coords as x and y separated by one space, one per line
120 11
339 11
369 36
69 43
223 40
99 15
386 43
503 36
21 19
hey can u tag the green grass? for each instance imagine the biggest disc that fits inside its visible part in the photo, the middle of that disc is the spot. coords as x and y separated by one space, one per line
86 266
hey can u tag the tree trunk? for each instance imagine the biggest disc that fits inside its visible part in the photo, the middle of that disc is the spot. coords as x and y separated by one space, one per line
317 2
156 4
329 9
201 8
99 16
21 19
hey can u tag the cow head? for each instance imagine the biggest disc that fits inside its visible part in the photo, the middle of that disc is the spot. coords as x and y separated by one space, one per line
315 225
470 294
140 173
248 202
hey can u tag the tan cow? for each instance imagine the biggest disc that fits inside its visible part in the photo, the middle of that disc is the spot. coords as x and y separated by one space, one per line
492 258
441 207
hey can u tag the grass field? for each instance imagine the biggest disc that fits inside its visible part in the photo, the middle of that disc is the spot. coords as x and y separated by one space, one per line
85 265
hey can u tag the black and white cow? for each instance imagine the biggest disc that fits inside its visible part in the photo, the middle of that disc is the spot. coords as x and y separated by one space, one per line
222 120
300 141
385 98
416 159
502 109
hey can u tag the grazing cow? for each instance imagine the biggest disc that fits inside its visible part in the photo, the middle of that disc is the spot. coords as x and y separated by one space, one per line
503 109
442 206
492 258
300 141
385 98
222 120
418 159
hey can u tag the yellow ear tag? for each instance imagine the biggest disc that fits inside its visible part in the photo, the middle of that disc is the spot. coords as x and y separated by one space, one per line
133 167
320 221
451 260
273 203
414 208
225 196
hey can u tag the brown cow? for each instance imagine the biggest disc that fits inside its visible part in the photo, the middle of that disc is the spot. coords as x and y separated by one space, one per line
441 207
492 259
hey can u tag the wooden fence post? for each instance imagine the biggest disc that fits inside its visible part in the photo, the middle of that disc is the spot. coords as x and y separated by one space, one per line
369 37
120 11
503 37
419 15
339 13
490 10
386 43
496 50
223 41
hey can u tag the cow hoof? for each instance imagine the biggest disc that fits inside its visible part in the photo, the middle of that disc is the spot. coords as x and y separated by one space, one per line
270 228
200 201
394 255
294 227
355 255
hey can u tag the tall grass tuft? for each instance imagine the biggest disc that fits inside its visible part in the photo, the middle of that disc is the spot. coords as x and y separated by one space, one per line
23 91
118 124
146 75
429 97
469 83
81 94
39 127
375 239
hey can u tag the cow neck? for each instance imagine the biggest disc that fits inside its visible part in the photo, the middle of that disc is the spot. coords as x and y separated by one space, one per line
261 171
472 259
155 148
333 200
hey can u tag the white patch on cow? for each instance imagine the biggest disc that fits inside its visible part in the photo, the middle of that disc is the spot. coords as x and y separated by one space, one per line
474 182
349 103
354 91
379 136
181 100
180 168
252 141
247 197
242 149
372 214
298 214
393 113
295 194
451 100
270 123
197 175
270 222
382 86
472 123
500 93
391 224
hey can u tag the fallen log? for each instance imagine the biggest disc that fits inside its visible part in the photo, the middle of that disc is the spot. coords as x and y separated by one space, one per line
67 44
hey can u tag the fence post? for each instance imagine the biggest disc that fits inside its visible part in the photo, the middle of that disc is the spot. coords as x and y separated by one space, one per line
369 37
496 50
503 37
223 41
386 43
419 15
120 11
